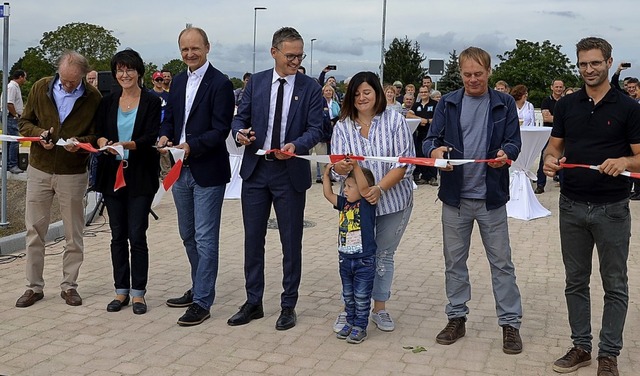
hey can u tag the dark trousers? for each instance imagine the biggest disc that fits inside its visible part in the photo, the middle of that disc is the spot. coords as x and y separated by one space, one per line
270 185
357 276
129 220
426 172
608 227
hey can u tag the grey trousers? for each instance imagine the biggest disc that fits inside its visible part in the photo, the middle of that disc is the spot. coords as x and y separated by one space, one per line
457 225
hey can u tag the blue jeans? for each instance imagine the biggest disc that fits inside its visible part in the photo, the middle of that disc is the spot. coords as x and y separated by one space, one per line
129 221
608 226
14 147
357 276
457 225
389 231
199 210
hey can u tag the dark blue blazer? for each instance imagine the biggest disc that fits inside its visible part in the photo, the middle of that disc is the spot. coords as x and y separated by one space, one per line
303 129
141 175
207 127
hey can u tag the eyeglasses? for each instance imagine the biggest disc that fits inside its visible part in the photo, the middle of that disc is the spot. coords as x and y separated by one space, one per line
159 80
291 57
593 64
128 72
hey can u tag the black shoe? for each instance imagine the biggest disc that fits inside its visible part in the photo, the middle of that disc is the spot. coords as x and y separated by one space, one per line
116 304
183 301
454 330
195 315
319 181
246 313
140 308
287 319
539 190
634 196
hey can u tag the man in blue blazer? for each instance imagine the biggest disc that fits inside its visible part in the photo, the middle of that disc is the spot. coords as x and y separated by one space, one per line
198 120
280 109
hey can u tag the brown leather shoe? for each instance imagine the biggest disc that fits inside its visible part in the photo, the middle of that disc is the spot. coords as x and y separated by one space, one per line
71 297
28 298
511 341
607 366
454 330
575 358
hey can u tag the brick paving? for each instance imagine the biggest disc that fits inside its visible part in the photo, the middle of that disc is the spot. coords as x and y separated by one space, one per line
51 338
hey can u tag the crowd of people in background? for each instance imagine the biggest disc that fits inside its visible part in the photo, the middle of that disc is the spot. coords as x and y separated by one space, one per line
286 112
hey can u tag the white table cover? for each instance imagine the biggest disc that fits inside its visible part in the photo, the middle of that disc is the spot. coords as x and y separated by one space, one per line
523 203
413 124
234 187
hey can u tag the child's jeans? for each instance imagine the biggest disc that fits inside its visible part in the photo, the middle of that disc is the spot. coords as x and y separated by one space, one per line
357 283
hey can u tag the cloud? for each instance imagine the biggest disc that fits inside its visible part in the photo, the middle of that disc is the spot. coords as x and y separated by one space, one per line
439 46
353 46
566 13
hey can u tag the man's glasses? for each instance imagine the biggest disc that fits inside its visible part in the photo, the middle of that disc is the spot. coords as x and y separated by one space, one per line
291 57
128 72
593 64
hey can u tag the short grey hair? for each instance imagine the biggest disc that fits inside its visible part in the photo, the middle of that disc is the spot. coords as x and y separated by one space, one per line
285 34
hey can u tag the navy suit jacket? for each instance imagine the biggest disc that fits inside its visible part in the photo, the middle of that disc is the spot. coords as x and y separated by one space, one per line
207 127
303 129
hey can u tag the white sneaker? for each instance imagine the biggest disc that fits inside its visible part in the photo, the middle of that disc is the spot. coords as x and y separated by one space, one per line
383 321
341 321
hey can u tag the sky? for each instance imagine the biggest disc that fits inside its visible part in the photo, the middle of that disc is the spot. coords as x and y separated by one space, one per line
348 33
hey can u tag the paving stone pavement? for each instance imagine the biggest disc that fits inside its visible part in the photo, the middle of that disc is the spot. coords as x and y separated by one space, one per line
52 338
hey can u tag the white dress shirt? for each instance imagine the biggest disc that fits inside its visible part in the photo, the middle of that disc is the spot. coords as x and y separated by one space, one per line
286 101
193 83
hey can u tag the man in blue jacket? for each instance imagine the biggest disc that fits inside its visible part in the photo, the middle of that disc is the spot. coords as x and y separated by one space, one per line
197 119
281 110
477 123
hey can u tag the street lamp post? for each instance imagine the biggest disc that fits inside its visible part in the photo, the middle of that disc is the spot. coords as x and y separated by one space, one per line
4 14
384 21
311 69
255 15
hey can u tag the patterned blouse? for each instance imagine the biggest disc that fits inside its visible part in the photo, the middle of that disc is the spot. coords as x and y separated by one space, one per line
389 136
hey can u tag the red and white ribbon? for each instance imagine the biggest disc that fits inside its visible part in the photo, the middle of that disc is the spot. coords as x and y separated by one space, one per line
431 162
635 175
8 138
119 183
172 176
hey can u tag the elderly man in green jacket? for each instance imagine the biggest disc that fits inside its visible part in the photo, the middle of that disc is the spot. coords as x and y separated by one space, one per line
58 107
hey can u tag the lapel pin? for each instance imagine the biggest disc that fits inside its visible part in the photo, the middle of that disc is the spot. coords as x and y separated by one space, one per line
295 98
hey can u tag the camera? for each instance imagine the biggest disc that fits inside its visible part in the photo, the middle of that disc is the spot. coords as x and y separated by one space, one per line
331 67
626 65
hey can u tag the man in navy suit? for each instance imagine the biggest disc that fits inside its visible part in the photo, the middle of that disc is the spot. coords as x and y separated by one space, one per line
296 100
198 120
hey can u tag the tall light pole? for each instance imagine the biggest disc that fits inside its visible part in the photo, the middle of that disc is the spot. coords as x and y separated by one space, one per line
4 14
311 69
255 15
384 21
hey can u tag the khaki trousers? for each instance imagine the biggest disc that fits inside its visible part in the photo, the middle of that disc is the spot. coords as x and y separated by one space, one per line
70 191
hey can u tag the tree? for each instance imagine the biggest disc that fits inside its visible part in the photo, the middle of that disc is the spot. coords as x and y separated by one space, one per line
403 62
149 68
175 66
451 80
237 83
34 63
535 65
96 43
